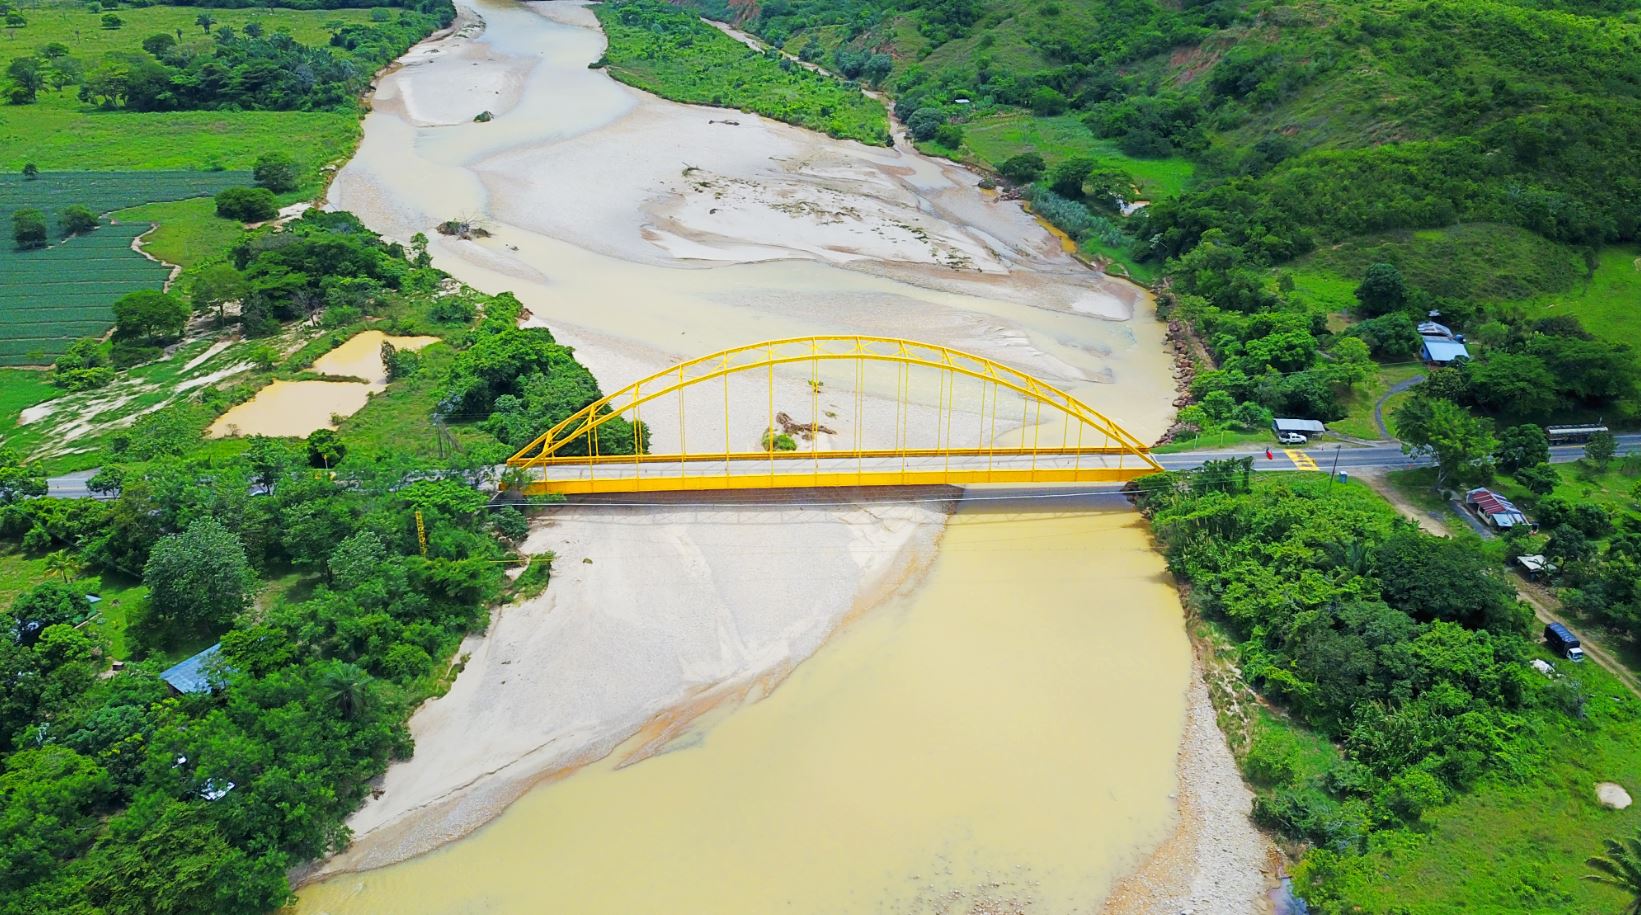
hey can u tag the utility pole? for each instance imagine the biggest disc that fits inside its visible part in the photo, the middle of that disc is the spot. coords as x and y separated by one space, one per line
1334 473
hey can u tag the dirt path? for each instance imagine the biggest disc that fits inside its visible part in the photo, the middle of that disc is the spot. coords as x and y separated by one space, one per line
1545 607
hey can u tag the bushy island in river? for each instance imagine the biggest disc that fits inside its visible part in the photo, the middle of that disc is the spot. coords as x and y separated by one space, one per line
124 794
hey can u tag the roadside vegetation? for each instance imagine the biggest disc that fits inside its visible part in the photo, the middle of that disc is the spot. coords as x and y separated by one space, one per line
658 48
1414 752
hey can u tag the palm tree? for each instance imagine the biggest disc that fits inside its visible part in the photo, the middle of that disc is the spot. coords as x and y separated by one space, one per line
205 21
59 562
348 687
1620 868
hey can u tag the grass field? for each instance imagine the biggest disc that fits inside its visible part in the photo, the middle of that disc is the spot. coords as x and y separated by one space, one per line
19 390
1358 421
1519 844
73 24
995 137
104 191
1609 303
187 233
52 296
59 132
1475 262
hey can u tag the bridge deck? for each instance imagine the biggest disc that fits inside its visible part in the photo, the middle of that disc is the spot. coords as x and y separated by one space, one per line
662 473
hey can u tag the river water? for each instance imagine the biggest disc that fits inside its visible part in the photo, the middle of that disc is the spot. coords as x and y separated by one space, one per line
1003 735
999 736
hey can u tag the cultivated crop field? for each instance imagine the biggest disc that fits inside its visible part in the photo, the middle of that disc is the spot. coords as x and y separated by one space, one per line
107 191
53 296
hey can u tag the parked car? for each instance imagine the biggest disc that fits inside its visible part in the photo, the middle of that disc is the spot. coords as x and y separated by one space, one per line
1291 438
1561 640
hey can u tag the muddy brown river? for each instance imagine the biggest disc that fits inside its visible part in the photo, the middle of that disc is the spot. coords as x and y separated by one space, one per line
986 718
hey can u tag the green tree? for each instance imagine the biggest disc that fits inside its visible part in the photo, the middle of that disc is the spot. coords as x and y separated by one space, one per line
347 687
30 170
215 287
1023 168
205 21
1461 444
924 122
325 448
246 204
49 797
160 45
1523 445
1620 868
1418 573
28 228
1066 178
198 581
1600 449
276 171
111 21
62 563
1540 479
28 77
1046 101
78 219
1512 384
1382 290
149 316
19 479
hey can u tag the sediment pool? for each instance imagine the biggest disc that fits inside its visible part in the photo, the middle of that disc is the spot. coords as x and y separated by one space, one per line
1002 734
299 408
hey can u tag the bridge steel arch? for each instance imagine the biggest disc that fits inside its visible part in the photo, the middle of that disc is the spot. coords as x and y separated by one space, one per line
546 468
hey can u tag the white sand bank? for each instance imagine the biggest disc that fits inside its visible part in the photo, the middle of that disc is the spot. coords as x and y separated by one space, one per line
650 611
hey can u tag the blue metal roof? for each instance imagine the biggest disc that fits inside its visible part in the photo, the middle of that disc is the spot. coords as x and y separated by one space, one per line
1439 350
191 675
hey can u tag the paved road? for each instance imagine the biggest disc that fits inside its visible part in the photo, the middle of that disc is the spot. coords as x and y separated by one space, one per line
72 486
1387 456
1379 405
1323 459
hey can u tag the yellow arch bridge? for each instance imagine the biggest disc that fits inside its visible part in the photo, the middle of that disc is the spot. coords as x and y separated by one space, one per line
871 411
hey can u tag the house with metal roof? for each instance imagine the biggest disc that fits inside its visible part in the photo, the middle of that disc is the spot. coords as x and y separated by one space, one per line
1442 350
195 675
1306 427
1495 509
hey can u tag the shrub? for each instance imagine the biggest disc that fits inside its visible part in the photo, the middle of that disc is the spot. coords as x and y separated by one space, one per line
924 122
1046 101
78 220
28 229
1023 168
246 204
1540 479
276 172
